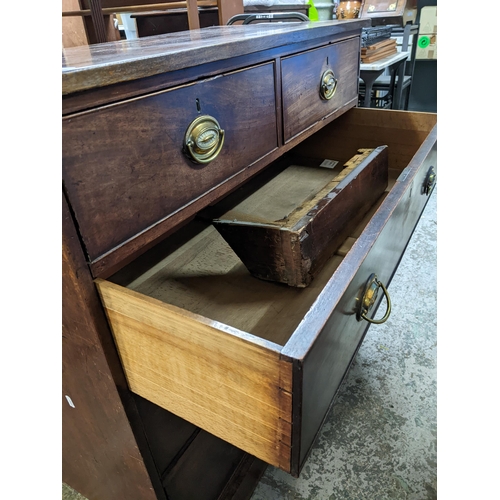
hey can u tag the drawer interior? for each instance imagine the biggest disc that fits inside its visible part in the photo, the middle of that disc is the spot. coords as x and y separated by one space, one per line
402 131
288 197
204 276
196 269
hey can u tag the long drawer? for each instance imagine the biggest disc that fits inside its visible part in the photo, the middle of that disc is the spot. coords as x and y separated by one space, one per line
130 165
258 363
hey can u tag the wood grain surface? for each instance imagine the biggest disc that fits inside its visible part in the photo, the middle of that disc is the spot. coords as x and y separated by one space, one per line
301 77
111 63
235 389
204 276
123 165
328 361
327 343
94 416
309 213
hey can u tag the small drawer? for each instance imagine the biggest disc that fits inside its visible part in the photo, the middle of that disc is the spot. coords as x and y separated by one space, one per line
254 362
317 83
289 227
128 166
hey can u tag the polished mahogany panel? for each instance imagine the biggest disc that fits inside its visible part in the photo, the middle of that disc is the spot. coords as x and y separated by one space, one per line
124 168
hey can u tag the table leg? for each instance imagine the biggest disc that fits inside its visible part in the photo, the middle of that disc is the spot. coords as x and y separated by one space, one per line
369 78
399 70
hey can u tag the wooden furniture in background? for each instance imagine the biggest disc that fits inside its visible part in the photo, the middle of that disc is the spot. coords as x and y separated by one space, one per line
73 28
182 374
160 22
171 21
97 15
98 24
389 12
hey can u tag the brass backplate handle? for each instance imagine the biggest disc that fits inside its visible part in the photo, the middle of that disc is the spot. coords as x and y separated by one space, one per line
430 180
368 299
328 84
204 139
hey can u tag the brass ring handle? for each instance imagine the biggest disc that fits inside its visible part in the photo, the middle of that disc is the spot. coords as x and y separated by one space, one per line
204 139
369 297
328 84
430 180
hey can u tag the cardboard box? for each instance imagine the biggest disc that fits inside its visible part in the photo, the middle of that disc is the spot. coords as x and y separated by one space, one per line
428 20
399 44
426 47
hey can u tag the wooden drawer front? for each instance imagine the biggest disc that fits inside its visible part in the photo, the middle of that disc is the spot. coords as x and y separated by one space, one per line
254 362
123 165
301 78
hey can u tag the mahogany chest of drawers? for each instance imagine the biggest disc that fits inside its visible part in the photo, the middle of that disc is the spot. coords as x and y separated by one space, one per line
169 343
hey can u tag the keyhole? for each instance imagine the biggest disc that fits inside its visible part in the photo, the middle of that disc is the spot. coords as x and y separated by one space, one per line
198 105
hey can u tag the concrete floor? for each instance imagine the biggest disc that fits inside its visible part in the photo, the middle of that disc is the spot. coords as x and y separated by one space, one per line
379 441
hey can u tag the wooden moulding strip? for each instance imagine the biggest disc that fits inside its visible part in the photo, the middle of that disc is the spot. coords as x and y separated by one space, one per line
234 388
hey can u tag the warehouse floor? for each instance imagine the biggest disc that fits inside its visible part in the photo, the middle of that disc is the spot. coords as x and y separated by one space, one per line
379 441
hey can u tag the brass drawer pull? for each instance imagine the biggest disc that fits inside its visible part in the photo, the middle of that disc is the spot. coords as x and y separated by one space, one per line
369 297
430 180
328 84
204 139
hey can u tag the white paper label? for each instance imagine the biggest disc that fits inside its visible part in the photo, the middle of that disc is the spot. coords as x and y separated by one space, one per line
329 163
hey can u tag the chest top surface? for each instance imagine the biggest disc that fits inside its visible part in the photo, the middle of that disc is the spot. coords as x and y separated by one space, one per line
109 63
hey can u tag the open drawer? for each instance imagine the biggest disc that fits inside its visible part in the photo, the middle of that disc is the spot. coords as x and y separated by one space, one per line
258 363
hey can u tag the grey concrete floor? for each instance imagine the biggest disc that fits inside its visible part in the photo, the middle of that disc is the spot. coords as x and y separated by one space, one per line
379 442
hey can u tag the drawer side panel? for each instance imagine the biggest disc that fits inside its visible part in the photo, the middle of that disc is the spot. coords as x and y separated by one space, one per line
228 386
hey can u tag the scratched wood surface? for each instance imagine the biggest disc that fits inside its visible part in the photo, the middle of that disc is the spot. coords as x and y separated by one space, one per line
114 62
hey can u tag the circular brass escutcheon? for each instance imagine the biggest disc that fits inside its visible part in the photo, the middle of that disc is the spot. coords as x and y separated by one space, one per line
328 84
368 299
204 139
